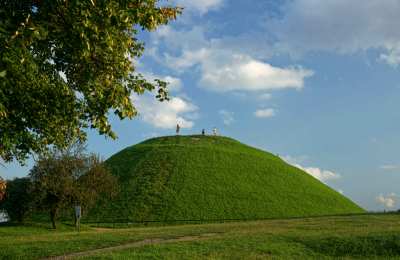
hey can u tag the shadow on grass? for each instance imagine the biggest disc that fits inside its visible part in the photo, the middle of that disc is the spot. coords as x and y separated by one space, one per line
9 224
356 246
44 226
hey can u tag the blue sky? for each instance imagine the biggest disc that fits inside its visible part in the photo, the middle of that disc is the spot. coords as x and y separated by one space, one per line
316 82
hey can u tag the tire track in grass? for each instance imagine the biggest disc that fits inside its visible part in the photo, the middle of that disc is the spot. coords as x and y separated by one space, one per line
145 242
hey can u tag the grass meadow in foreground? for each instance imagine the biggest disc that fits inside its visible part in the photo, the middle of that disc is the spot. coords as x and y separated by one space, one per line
359 236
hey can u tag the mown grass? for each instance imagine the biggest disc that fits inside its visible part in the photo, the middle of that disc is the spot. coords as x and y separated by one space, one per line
344 237
211 178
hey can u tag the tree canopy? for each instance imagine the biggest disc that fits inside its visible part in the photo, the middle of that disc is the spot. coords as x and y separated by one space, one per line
70 177
65 64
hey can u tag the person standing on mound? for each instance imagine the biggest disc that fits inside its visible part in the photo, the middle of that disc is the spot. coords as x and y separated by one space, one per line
178 128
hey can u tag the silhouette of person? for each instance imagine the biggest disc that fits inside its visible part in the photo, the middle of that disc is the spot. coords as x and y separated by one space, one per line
203 132
178 128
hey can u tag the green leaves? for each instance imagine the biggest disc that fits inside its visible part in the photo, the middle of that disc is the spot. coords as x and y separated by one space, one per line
92 43
69 177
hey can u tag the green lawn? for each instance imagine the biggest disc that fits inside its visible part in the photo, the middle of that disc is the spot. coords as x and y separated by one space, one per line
359 236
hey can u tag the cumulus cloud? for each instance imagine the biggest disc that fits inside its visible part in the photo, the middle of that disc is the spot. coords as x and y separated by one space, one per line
201 6
339 25
193 39
318 173
390 167
174 84
322 175
265 96
392 56
225 69
165 114
227 117
187 59
265 113
244 73
389 201
295 160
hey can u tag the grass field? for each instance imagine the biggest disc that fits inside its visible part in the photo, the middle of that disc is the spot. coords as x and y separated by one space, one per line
212 178
358 236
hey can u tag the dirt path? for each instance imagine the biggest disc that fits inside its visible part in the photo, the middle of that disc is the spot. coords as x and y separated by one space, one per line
133 245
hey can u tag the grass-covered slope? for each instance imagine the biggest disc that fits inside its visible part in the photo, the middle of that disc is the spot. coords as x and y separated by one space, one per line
210 178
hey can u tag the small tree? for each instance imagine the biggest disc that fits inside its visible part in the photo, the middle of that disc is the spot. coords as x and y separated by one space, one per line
18 201
69 177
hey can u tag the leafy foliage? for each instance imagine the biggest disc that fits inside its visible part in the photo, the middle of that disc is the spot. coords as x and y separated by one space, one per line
64 64
213 178
68 178
18 201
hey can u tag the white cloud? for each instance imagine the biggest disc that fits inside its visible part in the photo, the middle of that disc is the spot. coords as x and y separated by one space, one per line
165 114
390 167
222 68
244 73
388 201
318 173
295 160
322 175
265 96
265 113
227 117
174 84
339 25
187 59
193 39
201 6
392 57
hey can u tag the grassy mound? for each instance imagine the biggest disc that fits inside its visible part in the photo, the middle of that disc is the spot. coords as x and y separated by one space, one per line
212 178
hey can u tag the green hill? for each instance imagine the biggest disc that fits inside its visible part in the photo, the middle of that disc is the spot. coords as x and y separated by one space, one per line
212 178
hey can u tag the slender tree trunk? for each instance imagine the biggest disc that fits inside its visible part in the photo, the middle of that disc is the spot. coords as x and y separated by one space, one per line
53 215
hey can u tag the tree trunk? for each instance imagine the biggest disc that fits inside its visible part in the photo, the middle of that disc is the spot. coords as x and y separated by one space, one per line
53 215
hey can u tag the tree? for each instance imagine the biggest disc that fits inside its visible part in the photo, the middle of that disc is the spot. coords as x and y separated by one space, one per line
65 64
18 201
69 177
